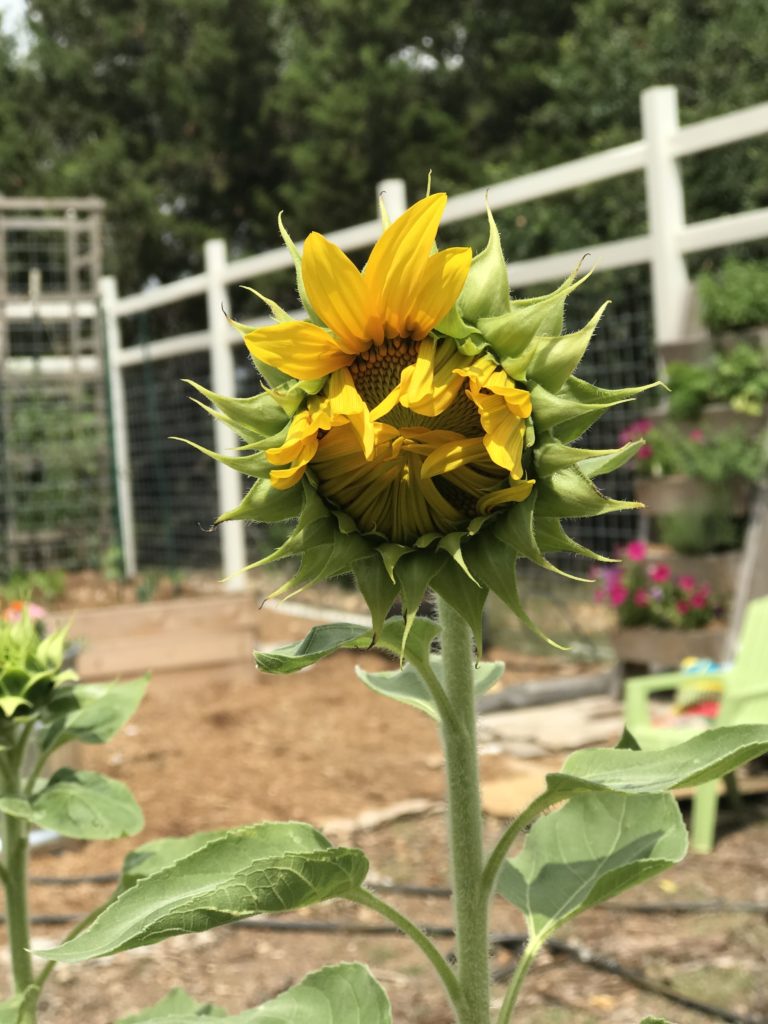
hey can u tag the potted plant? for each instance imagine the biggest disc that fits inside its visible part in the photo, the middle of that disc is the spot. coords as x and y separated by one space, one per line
734 299
662 617
698 471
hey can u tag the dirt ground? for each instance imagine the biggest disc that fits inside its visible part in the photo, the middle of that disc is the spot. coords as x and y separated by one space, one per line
222 747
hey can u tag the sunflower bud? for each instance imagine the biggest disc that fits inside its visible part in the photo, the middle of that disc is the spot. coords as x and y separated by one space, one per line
31 666
419 424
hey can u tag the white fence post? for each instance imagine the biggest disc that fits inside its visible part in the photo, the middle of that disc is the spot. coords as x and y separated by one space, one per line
394 194
665 204
121 453
228 482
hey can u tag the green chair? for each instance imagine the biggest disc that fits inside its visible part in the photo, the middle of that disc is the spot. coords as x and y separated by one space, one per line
744 701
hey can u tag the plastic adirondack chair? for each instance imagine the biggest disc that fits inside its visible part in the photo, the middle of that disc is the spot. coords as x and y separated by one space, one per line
744 688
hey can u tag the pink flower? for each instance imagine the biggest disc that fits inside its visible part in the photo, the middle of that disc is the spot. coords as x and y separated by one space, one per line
640 598
699 600
697 434
644 452
636 550
599 593
660 573
687 584
634 431
683 607
618 594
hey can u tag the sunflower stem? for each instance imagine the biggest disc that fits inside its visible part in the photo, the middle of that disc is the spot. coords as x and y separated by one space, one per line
465 819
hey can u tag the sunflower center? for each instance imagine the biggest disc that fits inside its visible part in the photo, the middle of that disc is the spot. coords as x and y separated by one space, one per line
377 371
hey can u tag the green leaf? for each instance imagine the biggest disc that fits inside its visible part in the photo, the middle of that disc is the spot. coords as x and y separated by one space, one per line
655 1020
176 1008
596 846
92 712
319 642
322 641
157 854
406 685
82 805
342 994
709 756
252 870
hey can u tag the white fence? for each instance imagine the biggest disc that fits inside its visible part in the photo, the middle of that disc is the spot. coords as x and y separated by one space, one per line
663 248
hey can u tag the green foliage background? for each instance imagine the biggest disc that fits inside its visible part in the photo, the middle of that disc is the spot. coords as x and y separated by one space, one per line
197 118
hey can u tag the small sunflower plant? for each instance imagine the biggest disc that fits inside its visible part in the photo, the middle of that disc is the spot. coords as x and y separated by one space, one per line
419 429
44 711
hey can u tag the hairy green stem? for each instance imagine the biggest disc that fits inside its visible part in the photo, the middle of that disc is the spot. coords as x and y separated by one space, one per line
367 899
465 819
15 857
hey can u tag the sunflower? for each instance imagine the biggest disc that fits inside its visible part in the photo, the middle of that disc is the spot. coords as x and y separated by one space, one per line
418 424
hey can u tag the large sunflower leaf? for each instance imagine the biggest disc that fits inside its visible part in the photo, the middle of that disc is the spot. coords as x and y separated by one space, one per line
178 1007
596 846
252 870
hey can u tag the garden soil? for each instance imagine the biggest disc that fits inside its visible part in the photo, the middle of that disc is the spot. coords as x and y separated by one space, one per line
227 745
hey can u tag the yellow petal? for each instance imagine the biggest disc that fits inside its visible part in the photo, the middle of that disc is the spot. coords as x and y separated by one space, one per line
302 350
398 259
452 455
517 492
439 287
339 294
344 401
504 433
429 389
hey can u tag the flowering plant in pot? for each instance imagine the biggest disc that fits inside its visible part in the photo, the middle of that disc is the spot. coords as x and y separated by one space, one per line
418 431
648 594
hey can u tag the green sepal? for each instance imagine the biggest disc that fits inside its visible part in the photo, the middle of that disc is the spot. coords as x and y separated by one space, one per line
323 561
568 493
453 326
486 289
266 504
252 418
553 455
407 686
81 805
296 257
292 395
510 334
552 537
516 530
256 465
555 358
499 575
600 463
413 573
465 595
579 404
256 869
378 590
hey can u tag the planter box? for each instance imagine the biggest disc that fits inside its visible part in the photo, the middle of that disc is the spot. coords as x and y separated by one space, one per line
666 648
715 416
671 495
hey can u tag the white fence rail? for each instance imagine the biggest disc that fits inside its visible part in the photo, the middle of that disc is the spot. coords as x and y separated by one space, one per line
663 248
